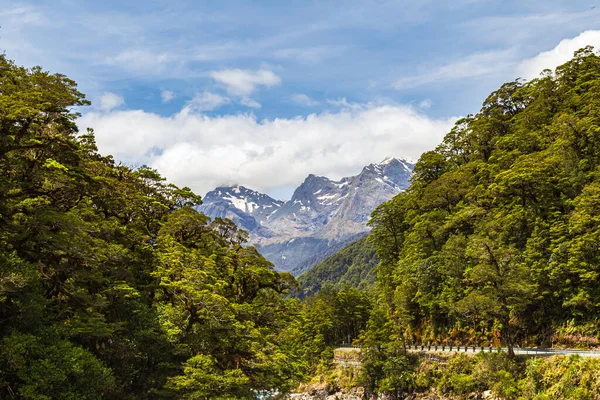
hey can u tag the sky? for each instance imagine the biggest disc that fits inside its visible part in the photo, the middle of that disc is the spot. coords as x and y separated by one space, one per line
263 93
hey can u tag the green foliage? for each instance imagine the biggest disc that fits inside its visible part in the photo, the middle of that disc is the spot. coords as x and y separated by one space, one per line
459 375
461 384
111 285
387 368
495 242
496 239
329 319
354 265
201 379
563 378
53 368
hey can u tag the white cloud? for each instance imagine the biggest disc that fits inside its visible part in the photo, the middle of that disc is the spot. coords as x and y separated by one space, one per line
243 82
473 65
248 102
166 96
200 151
503 64
563 52
109 100
304 100
344 104
426 104
531 28
25 15
206 101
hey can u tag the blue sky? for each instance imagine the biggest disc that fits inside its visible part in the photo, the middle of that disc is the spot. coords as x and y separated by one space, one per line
263 93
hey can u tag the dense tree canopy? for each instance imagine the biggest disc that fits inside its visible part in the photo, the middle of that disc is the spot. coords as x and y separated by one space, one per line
111 284
496 239
353 266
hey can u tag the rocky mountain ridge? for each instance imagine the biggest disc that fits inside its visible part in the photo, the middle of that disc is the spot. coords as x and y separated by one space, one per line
321 214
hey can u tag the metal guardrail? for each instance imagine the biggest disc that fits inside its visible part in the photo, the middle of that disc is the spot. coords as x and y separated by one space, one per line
533 351
524 351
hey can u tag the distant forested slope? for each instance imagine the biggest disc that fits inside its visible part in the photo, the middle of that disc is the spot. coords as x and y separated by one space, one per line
354 265
307 264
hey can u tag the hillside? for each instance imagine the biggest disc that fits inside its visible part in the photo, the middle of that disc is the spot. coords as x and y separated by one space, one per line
315 259
354 265
496 241
111 285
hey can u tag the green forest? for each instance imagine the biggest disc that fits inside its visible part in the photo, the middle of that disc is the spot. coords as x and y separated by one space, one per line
499 230
497 240
112 286
353 266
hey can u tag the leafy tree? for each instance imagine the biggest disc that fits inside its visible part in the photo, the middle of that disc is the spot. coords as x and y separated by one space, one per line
497 233
111 284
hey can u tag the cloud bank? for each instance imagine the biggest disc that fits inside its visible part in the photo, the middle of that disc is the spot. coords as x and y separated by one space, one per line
203 151
200 151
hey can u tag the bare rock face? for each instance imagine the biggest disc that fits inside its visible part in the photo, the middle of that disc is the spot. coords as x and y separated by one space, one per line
321 214
249 209
316 394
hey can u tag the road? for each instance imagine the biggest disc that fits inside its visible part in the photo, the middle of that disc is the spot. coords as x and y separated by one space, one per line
519 351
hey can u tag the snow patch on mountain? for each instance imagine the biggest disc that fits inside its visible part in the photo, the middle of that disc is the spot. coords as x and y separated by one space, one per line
321 212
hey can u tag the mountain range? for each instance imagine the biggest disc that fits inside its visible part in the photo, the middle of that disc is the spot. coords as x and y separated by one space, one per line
322 216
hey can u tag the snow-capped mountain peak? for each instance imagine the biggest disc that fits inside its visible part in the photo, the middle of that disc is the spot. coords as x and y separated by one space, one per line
248 208
244 199
387 160
320 213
